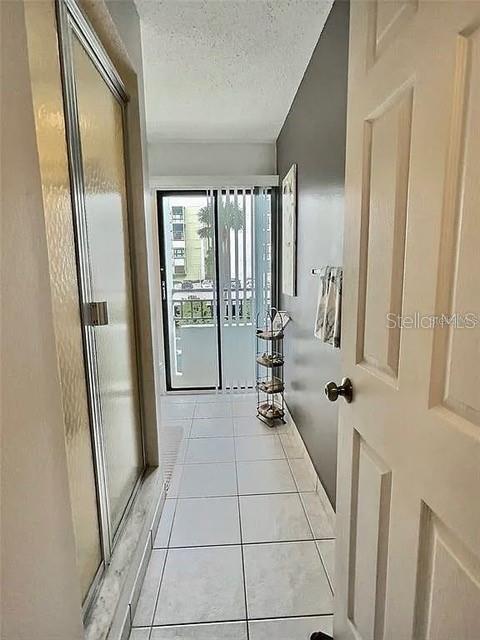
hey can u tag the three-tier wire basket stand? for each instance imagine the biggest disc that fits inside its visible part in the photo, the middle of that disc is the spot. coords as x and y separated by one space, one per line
270 360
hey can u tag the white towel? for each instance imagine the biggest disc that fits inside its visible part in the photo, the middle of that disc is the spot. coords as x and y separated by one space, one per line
329 306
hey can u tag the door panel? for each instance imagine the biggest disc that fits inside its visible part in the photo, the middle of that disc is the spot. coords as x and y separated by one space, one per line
408 525
456 350
189 285
387 18
53 158
371 494
100 116
451 572
384 217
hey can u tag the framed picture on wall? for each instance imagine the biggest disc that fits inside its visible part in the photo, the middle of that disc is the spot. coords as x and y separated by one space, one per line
289 232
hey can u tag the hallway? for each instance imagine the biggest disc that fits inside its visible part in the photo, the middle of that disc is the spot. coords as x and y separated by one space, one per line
244 538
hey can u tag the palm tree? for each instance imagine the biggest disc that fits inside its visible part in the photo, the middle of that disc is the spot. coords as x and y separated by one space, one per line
230 216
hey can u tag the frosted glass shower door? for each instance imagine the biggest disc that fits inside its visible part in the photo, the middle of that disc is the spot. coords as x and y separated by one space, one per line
100 123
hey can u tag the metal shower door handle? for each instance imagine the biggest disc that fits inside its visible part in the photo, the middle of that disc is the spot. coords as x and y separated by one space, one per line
96 313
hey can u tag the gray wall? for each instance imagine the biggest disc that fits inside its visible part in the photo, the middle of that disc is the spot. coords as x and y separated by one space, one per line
313 136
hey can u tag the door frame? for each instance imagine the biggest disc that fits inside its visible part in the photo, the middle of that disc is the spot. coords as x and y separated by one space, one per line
160 194
71 20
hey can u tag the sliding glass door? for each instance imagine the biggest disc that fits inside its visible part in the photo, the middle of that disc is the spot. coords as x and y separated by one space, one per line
216 278
189 289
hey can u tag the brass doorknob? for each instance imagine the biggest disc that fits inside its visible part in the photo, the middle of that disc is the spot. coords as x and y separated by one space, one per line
332 390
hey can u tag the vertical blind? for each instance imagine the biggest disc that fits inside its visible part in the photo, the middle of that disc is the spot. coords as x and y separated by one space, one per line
244 237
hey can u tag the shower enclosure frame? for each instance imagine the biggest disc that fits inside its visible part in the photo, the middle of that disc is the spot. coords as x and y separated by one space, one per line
72 21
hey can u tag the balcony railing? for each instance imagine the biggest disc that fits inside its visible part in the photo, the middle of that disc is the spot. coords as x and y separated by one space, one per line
199 309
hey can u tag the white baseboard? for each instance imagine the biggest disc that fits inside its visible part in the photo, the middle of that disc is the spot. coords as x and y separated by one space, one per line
302 467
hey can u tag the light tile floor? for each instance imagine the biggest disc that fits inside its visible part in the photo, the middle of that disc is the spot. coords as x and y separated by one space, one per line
245 546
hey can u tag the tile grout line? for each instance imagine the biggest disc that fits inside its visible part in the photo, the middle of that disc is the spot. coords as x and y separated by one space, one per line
234 495
324 565
241 544
239 620
247 544
248 495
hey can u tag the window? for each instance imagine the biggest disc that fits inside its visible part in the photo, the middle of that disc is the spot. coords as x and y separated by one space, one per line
179 253
178 231
178 214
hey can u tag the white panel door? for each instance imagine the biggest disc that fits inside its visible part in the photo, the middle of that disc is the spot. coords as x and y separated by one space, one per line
408 550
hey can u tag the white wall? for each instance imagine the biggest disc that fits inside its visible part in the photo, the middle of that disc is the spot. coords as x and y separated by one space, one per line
40 594
211 158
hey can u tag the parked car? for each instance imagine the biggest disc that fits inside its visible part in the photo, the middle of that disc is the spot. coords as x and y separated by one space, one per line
187 284
207 284
177 284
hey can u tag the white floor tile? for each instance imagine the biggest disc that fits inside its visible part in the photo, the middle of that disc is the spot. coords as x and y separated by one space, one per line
290 628
205 521
148 595
165 525
292 444
212 397
251 426
320 514
327 551
266 476
286 579
245 407
213 410
142 633
204 480
222 631
179 426
304 474
210 450
211 428
258 448
177 398
204 584
289 580
273 518
177 410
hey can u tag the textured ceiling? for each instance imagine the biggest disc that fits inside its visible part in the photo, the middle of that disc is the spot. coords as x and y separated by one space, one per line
225 69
